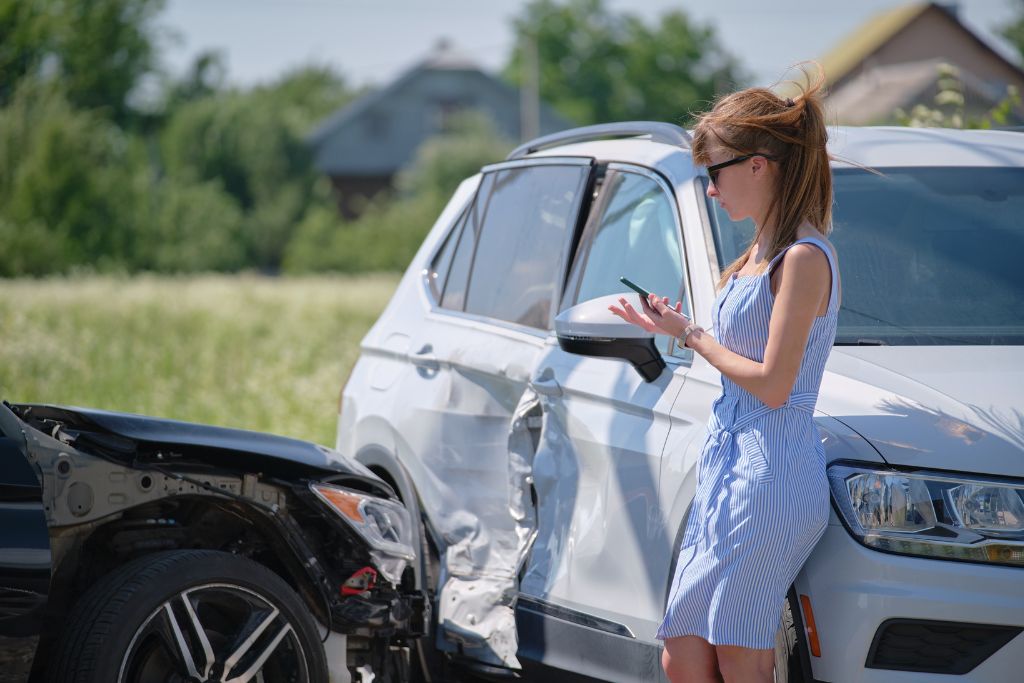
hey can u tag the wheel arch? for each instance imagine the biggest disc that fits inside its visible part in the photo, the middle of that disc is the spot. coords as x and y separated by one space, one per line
97 549
386 465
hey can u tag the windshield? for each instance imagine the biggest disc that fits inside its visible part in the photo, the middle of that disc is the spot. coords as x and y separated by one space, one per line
927 256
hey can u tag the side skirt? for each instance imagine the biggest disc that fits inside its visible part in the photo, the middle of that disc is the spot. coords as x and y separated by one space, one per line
561 644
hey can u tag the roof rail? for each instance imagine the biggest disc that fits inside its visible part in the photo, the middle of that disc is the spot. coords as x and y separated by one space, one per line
667 133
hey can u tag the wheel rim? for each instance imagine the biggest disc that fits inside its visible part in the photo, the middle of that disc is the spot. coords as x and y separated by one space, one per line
215 633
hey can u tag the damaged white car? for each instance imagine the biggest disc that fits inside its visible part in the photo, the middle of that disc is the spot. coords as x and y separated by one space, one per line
549 448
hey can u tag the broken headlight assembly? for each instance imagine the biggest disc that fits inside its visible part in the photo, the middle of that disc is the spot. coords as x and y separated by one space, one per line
932 514
384 524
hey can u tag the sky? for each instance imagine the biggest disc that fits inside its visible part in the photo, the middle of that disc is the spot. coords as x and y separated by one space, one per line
372 42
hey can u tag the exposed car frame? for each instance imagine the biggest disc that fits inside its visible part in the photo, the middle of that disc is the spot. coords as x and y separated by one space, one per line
87 492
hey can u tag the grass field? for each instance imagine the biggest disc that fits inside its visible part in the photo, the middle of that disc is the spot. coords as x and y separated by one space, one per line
260 353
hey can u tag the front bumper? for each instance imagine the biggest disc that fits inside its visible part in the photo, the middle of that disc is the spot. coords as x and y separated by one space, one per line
854 589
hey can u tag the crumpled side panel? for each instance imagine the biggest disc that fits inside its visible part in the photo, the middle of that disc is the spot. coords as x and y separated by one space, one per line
479 585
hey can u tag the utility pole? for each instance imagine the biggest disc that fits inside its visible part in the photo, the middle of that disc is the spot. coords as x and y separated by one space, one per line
529 91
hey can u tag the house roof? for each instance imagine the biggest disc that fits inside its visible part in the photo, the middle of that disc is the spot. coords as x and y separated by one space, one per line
873 34
444 57
873 96
379 133
883 27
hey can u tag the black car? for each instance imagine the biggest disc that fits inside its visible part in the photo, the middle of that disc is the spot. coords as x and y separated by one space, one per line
142 550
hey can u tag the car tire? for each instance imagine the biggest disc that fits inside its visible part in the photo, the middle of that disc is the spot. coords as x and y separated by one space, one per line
789 646
175 611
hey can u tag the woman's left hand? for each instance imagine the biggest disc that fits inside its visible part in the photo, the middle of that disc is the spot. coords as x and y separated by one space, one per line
669 320
657 315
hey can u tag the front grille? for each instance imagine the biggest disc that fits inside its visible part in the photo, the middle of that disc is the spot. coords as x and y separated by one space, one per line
941 647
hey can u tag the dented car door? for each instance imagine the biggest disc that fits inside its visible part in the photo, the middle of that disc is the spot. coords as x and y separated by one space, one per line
499 275
597 469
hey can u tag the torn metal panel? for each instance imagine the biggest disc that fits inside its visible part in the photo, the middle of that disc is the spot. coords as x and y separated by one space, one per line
596 473
453 423
476 607
79 488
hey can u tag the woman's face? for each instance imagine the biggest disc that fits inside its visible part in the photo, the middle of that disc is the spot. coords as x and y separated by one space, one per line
743 189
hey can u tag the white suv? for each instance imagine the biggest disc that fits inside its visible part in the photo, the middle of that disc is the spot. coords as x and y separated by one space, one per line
551 448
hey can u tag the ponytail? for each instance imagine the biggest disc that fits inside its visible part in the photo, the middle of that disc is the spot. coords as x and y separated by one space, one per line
793 131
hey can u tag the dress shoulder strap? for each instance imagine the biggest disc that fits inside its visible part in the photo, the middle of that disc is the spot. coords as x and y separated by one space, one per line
828 254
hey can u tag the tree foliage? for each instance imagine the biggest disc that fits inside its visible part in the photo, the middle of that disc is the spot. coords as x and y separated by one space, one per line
68 179
97 49
108 164
1014 31
948 107
251 143
597 66
388 233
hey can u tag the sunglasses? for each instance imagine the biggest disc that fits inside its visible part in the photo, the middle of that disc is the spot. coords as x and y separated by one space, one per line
715 168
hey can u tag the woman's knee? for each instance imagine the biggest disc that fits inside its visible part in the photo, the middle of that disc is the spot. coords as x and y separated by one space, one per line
689 659
745 664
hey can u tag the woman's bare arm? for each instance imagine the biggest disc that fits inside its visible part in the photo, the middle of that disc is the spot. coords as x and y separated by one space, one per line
805 280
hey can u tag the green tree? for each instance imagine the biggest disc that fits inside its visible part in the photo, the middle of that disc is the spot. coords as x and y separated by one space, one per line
391 229
948 107
25 40
445 160
1014 31
205 77
188 228
69 178
308 94
597 66
104 48
98 50
252 143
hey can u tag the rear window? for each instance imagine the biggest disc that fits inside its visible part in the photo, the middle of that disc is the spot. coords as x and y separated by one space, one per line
928 256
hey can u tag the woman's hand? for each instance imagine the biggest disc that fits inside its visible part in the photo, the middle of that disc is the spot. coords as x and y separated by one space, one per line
657 316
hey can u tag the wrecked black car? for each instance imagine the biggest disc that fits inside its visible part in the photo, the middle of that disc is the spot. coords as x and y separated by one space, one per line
137 550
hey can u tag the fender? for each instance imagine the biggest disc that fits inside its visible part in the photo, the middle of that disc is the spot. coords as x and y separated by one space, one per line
387 466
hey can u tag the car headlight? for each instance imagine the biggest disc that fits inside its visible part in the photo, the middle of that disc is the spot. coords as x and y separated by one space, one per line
384 524
932 514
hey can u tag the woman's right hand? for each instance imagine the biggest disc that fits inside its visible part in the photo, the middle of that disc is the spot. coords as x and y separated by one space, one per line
640 319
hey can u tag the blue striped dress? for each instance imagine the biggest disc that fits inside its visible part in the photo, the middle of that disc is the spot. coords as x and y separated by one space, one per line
762 497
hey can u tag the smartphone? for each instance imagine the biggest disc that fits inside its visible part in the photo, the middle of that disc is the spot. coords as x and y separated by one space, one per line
636 288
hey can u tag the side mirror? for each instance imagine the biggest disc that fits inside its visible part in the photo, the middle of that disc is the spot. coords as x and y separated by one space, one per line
590 329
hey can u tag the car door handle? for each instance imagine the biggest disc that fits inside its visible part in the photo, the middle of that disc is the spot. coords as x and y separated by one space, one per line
424 358
546 384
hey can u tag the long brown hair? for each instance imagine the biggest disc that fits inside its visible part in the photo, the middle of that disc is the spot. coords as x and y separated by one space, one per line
792 131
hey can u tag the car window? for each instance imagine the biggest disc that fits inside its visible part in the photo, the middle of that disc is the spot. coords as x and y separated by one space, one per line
927 255
530 215
632 231
454 290
440 265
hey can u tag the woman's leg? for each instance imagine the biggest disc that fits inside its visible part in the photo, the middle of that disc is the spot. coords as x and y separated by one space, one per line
690 659
745 665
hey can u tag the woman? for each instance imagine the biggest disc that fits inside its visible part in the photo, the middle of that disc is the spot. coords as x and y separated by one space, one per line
762 496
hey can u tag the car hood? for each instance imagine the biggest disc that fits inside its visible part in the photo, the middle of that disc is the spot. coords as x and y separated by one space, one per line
186 442
952 407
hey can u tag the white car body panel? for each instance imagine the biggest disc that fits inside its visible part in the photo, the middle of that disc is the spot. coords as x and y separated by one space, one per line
596 476
960 405
853 589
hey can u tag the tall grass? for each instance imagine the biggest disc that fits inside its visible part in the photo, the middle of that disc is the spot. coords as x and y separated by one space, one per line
268 354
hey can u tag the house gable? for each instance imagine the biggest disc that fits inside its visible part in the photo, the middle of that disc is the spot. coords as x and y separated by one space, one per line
894 61
379 133
916 33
